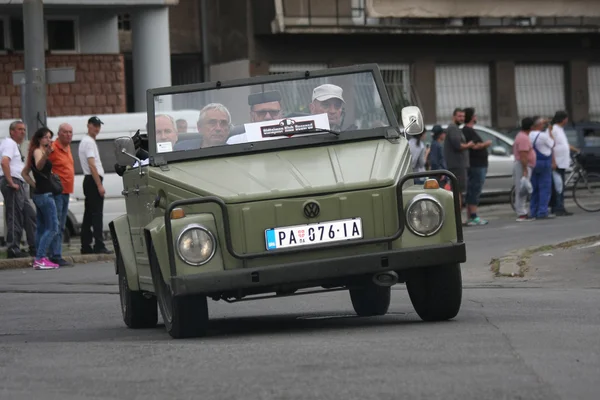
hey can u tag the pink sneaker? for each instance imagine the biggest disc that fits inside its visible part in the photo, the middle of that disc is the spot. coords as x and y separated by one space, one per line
44 263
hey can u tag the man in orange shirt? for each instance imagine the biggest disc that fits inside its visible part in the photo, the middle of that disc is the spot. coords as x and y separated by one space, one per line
63 166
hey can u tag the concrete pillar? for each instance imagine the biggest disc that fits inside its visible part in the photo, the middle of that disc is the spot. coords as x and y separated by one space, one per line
423 92
578 103
504 96
151 53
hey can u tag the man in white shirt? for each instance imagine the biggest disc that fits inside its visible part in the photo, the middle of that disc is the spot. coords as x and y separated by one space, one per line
18 212
562 159
541 177
93 172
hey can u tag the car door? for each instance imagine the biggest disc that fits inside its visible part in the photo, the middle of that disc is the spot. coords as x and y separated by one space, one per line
500 164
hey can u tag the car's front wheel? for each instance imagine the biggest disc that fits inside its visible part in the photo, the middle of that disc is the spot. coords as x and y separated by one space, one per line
370 300
436 292
184 316
138 311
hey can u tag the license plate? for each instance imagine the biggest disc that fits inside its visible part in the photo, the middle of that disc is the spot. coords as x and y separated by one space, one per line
321 232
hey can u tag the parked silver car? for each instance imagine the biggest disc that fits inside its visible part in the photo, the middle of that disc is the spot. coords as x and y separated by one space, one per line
500 161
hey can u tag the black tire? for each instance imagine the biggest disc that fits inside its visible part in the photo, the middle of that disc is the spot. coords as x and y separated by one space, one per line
436 292
184 316
370 300
582 184
139 312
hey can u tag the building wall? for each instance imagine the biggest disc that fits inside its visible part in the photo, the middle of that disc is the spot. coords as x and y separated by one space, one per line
99 85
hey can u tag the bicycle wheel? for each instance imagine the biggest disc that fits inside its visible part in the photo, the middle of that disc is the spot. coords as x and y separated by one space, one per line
513 194
586 191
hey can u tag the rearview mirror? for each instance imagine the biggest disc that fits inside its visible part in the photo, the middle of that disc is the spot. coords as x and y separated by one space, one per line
412 119
499 151
124 152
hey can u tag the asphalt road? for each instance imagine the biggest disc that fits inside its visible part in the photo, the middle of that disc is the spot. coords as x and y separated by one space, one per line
62 337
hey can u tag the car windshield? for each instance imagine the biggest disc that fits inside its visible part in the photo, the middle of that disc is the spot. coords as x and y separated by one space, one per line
233 118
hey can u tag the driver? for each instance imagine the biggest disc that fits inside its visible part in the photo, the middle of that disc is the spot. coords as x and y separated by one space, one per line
264 106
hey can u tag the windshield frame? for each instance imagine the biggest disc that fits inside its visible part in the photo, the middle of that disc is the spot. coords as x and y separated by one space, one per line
157 159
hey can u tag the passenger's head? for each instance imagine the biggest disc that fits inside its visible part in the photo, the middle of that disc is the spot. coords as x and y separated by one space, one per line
458 116
65 134
214 124
328 99
17 131
265 106
527 124
182 125
166 131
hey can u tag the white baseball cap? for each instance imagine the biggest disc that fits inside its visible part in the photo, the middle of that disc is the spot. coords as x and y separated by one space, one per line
327 91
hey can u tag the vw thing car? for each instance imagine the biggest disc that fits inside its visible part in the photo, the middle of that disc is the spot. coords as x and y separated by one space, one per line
293 184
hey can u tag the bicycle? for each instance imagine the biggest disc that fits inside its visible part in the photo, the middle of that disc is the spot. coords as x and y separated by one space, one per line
583 183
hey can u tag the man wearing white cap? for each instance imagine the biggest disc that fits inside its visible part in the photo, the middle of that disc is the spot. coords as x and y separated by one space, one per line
328 99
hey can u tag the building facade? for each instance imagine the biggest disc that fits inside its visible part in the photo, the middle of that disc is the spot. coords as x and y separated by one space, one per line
86 36
507 59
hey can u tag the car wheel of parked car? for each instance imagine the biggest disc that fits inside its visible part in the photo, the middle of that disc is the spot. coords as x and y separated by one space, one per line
370 300
436 292
184 316
138 310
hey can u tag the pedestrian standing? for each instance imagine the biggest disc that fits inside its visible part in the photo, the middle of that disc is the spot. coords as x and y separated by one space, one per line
39 163
541 176
93 190
63 166
478 165
522 167
562 158
19 214
418 153
456 152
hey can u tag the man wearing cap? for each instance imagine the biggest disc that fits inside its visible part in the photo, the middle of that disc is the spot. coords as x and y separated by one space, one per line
264 106
328 99
91 165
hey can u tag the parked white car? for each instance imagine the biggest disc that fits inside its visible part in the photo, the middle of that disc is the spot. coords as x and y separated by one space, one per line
498 180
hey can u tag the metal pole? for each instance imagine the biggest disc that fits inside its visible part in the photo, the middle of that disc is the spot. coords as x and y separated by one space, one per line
204 32
35 65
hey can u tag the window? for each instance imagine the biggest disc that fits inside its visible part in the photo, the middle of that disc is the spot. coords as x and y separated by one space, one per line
61 34
591 137
2 34
124 22
496 142
17 35
106 148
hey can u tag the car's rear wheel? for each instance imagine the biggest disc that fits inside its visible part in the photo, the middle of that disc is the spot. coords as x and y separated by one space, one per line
370 300
184 316
138 311
436 292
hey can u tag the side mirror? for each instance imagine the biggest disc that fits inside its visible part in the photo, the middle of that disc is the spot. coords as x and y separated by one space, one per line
412 119
124 152
499 151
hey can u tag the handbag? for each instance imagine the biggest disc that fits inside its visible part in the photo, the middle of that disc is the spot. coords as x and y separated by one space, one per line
55 183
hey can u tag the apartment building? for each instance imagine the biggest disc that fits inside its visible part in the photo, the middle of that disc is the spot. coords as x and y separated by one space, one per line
508 59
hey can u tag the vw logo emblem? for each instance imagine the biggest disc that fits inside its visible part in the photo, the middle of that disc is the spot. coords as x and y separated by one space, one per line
311 209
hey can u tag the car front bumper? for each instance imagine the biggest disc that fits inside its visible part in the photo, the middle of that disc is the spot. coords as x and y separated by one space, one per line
331 268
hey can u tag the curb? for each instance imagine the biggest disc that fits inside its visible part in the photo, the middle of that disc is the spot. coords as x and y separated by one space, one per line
21 263
515 263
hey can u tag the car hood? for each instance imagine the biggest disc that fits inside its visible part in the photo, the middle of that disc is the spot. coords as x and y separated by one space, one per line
292 172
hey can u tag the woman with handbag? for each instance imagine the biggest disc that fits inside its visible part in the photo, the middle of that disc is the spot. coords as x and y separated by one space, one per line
45 186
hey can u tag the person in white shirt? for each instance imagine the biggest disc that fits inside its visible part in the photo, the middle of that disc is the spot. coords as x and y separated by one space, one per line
541 176
93 172
562 160
19 214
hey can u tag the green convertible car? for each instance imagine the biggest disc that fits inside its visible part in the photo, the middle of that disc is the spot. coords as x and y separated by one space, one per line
288 185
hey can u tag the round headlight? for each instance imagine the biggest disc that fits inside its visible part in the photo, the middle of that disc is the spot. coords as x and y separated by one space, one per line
196 245
424 215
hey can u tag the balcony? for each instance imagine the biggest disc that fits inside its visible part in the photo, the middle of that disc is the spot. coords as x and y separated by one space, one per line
433 17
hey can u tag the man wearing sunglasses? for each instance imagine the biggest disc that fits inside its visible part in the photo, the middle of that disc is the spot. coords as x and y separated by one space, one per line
264 106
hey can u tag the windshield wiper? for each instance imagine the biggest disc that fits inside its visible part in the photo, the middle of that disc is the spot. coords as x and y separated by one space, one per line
305 131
